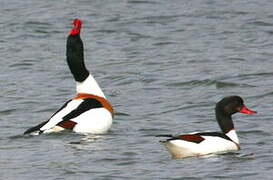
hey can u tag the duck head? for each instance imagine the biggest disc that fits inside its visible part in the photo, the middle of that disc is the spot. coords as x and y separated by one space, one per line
226 108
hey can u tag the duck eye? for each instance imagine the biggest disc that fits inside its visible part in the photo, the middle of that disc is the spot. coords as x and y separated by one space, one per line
239 108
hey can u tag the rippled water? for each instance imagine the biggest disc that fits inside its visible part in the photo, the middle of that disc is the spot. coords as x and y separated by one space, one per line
163 65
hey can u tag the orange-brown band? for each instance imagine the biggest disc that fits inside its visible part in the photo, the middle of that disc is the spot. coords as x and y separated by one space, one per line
105 103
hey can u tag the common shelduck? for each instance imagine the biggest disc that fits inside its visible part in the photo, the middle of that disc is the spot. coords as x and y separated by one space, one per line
89 111
204 143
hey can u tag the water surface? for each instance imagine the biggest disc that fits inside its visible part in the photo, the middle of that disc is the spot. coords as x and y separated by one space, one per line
163 65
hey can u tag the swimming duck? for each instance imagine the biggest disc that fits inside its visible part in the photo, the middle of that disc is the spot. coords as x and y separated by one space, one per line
89 111
204 143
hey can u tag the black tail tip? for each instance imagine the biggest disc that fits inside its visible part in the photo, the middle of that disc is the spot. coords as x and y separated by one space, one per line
164 135
162 141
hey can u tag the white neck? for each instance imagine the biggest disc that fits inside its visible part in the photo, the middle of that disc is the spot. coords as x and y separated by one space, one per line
89 86
233 136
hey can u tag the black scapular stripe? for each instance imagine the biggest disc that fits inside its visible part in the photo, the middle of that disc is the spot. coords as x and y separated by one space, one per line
87 104
216 134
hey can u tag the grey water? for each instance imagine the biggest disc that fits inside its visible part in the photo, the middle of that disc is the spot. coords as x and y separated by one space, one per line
162 64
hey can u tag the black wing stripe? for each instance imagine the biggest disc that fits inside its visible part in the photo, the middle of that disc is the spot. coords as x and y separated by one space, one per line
37 128
65 104
87 104
216 134
197 137
194 138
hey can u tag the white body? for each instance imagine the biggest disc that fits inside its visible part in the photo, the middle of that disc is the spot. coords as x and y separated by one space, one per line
95 121
211 145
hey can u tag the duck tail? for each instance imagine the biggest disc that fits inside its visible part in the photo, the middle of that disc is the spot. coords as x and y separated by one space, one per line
35 129
164 135
169 136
